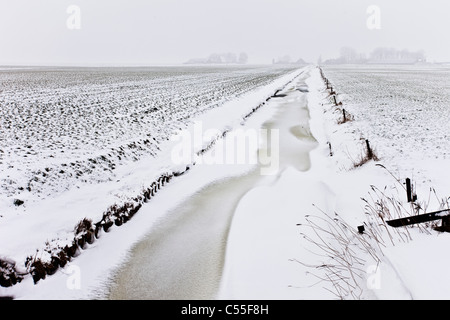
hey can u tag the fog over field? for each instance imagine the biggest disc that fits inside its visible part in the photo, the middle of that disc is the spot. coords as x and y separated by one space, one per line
166 32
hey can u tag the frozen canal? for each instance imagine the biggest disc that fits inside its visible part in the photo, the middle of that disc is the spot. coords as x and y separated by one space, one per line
182 257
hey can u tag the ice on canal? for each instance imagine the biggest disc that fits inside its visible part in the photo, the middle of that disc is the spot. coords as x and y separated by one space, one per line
236 236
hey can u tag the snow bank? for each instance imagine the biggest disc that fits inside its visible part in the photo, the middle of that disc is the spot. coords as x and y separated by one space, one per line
264 244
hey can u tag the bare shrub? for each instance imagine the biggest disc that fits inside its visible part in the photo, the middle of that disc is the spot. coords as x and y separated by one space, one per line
83 226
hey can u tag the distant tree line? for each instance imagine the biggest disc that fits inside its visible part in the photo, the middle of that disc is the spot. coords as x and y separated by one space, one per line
286 59
380 55
221 58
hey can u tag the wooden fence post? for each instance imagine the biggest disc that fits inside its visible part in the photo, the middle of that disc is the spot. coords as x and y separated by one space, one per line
408 189
369 150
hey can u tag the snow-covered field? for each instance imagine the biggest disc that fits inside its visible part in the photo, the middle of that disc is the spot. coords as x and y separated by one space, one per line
404 108
65 127
293 234
403 111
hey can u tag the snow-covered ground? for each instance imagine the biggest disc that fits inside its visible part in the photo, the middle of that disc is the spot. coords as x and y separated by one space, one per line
292 234
297 238
48 220
403 111
63 128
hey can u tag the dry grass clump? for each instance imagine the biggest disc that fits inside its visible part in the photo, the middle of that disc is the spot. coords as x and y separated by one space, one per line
347 251
368 154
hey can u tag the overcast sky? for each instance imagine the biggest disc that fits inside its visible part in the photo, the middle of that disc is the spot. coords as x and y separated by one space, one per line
173 31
